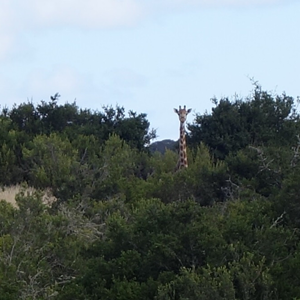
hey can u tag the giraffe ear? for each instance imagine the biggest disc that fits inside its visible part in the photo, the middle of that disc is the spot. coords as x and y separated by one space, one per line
189 110
176 110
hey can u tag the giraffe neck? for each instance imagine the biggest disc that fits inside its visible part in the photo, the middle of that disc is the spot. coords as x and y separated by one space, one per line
182 162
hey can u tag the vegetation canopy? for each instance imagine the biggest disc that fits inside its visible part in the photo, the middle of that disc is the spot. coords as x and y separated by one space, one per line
122 224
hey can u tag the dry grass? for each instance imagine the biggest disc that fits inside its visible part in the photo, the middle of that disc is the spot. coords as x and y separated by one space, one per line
9 194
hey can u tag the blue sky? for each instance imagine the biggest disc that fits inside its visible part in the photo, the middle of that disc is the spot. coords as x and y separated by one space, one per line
148 56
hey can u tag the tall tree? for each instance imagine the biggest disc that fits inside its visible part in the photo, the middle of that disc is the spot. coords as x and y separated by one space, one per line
261 119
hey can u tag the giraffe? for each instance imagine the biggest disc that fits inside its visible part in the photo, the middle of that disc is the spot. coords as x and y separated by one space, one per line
182 161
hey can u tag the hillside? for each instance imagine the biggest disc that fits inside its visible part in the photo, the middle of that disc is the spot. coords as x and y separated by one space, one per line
162 146
125 225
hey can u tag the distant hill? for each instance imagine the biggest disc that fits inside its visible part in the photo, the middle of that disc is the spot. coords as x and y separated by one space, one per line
162 146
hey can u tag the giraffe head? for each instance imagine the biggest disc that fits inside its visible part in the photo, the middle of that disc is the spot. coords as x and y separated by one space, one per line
182 113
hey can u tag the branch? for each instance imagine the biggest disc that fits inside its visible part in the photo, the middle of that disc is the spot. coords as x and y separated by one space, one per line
278 220
296 149
264 163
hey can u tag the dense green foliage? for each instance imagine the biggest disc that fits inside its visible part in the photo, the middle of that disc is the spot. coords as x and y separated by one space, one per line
126 226
261 120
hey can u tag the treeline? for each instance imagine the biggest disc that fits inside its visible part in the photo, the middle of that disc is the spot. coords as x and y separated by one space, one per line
126 226
29 133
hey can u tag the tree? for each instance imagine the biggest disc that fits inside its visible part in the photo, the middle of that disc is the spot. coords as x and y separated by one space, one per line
261 120
49 161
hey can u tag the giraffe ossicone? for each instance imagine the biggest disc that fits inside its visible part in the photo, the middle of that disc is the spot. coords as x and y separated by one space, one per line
182 161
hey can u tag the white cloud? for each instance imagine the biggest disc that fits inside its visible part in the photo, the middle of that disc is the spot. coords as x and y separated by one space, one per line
85 13
97 13
185 5
221 2
18 16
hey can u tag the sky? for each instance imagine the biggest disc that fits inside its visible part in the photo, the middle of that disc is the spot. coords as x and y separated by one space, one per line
147 56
